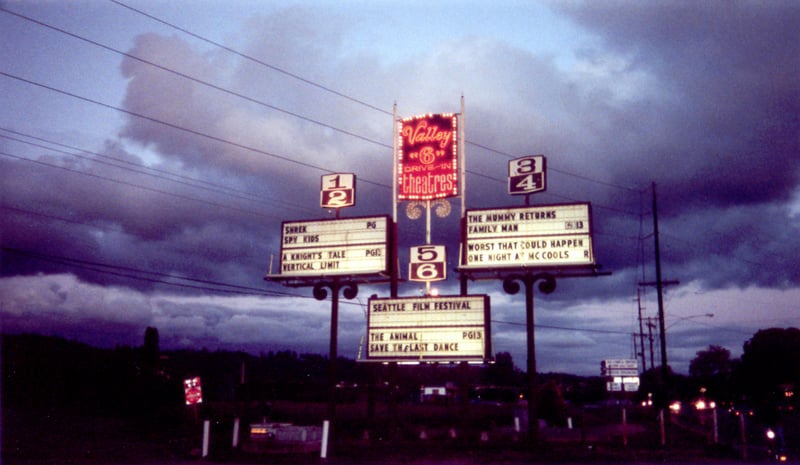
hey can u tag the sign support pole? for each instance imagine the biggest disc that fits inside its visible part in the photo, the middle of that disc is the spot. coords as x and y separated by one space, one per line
350 291
427 238
393 260
511 286
462 150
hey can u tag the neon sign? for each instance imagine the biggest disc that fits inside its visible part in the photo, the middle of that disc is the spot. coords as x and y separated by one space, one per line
428 158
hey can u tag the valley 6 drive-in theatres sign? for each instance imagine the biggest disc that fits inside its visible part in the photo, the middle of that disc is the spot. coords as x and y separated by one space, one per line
334 247
427 165
452 328
540 236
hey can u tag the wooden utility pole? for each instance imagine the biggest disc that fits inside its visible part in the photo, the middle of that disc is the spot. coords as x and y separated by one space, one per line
662 400
660 292
641 331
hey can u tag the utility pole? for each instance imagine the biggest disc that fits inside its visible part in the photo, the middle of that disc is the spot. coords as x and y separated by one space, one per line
641 330
650 325
660 291
660 283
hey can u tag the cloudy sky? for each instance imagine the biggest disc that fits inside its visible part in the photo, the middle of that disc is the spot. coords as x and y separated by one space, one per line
149 151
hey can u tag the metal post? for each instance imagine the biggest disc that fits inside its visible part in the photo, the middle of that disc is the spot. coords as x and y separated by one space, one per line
350 291
462 129
547 286
533 382
393 260
427 238
334 355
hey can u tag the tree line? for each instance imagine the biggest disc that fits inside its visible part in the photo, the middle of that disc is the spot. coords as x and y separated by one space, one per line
54 373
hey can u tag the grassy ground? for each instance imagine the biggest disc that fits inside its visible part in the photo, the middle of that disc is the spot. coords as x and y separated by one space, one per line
415 434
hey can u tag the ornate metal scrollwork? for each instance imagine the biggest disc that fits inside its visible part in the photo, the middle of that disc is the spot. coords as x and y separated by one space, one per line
349 289
547 282
510 284
441 207
414 210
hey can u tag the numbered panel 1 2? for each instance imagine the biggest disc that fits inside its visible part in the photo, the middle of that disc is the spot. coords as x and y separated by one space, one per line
338 190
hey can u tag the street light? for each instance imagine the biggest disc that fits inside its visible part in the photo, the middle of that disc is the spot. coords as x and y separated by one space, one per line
691 317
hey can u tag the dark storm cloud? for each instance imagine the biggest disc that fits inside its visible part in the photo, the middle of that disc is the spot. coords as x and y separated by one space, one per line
725 127
126 219
700 98
720 136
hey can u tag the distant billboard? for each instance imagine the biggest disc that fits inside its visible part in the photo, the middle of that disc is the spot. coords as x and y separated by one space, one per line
619 367
528 237
351 246
443 328
622 375
428 157
193 391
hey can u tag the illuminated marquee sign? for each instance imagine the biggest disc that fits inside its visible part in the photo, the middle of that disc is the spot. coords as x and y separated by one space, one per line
334 247
619 367
428 157
622 375
445 328
193 391
540 236
623 384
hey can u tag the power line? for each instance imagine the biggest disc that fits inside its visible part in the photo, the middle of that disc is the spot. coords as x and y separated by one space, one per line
556 170
138 186
340 94
193 182
123 271
242 96
216 87
253 100
565 328
196 80
180 128
220 139
57 218
694 245
253 59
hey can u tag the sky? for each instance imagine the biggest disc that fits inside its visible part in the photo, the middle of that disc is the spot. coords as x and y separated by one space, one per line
150 150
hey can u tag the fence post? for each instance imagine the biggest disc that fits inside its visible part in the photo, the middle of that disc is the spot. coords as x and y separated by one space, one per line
743 433
323 453
235 442
206 436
